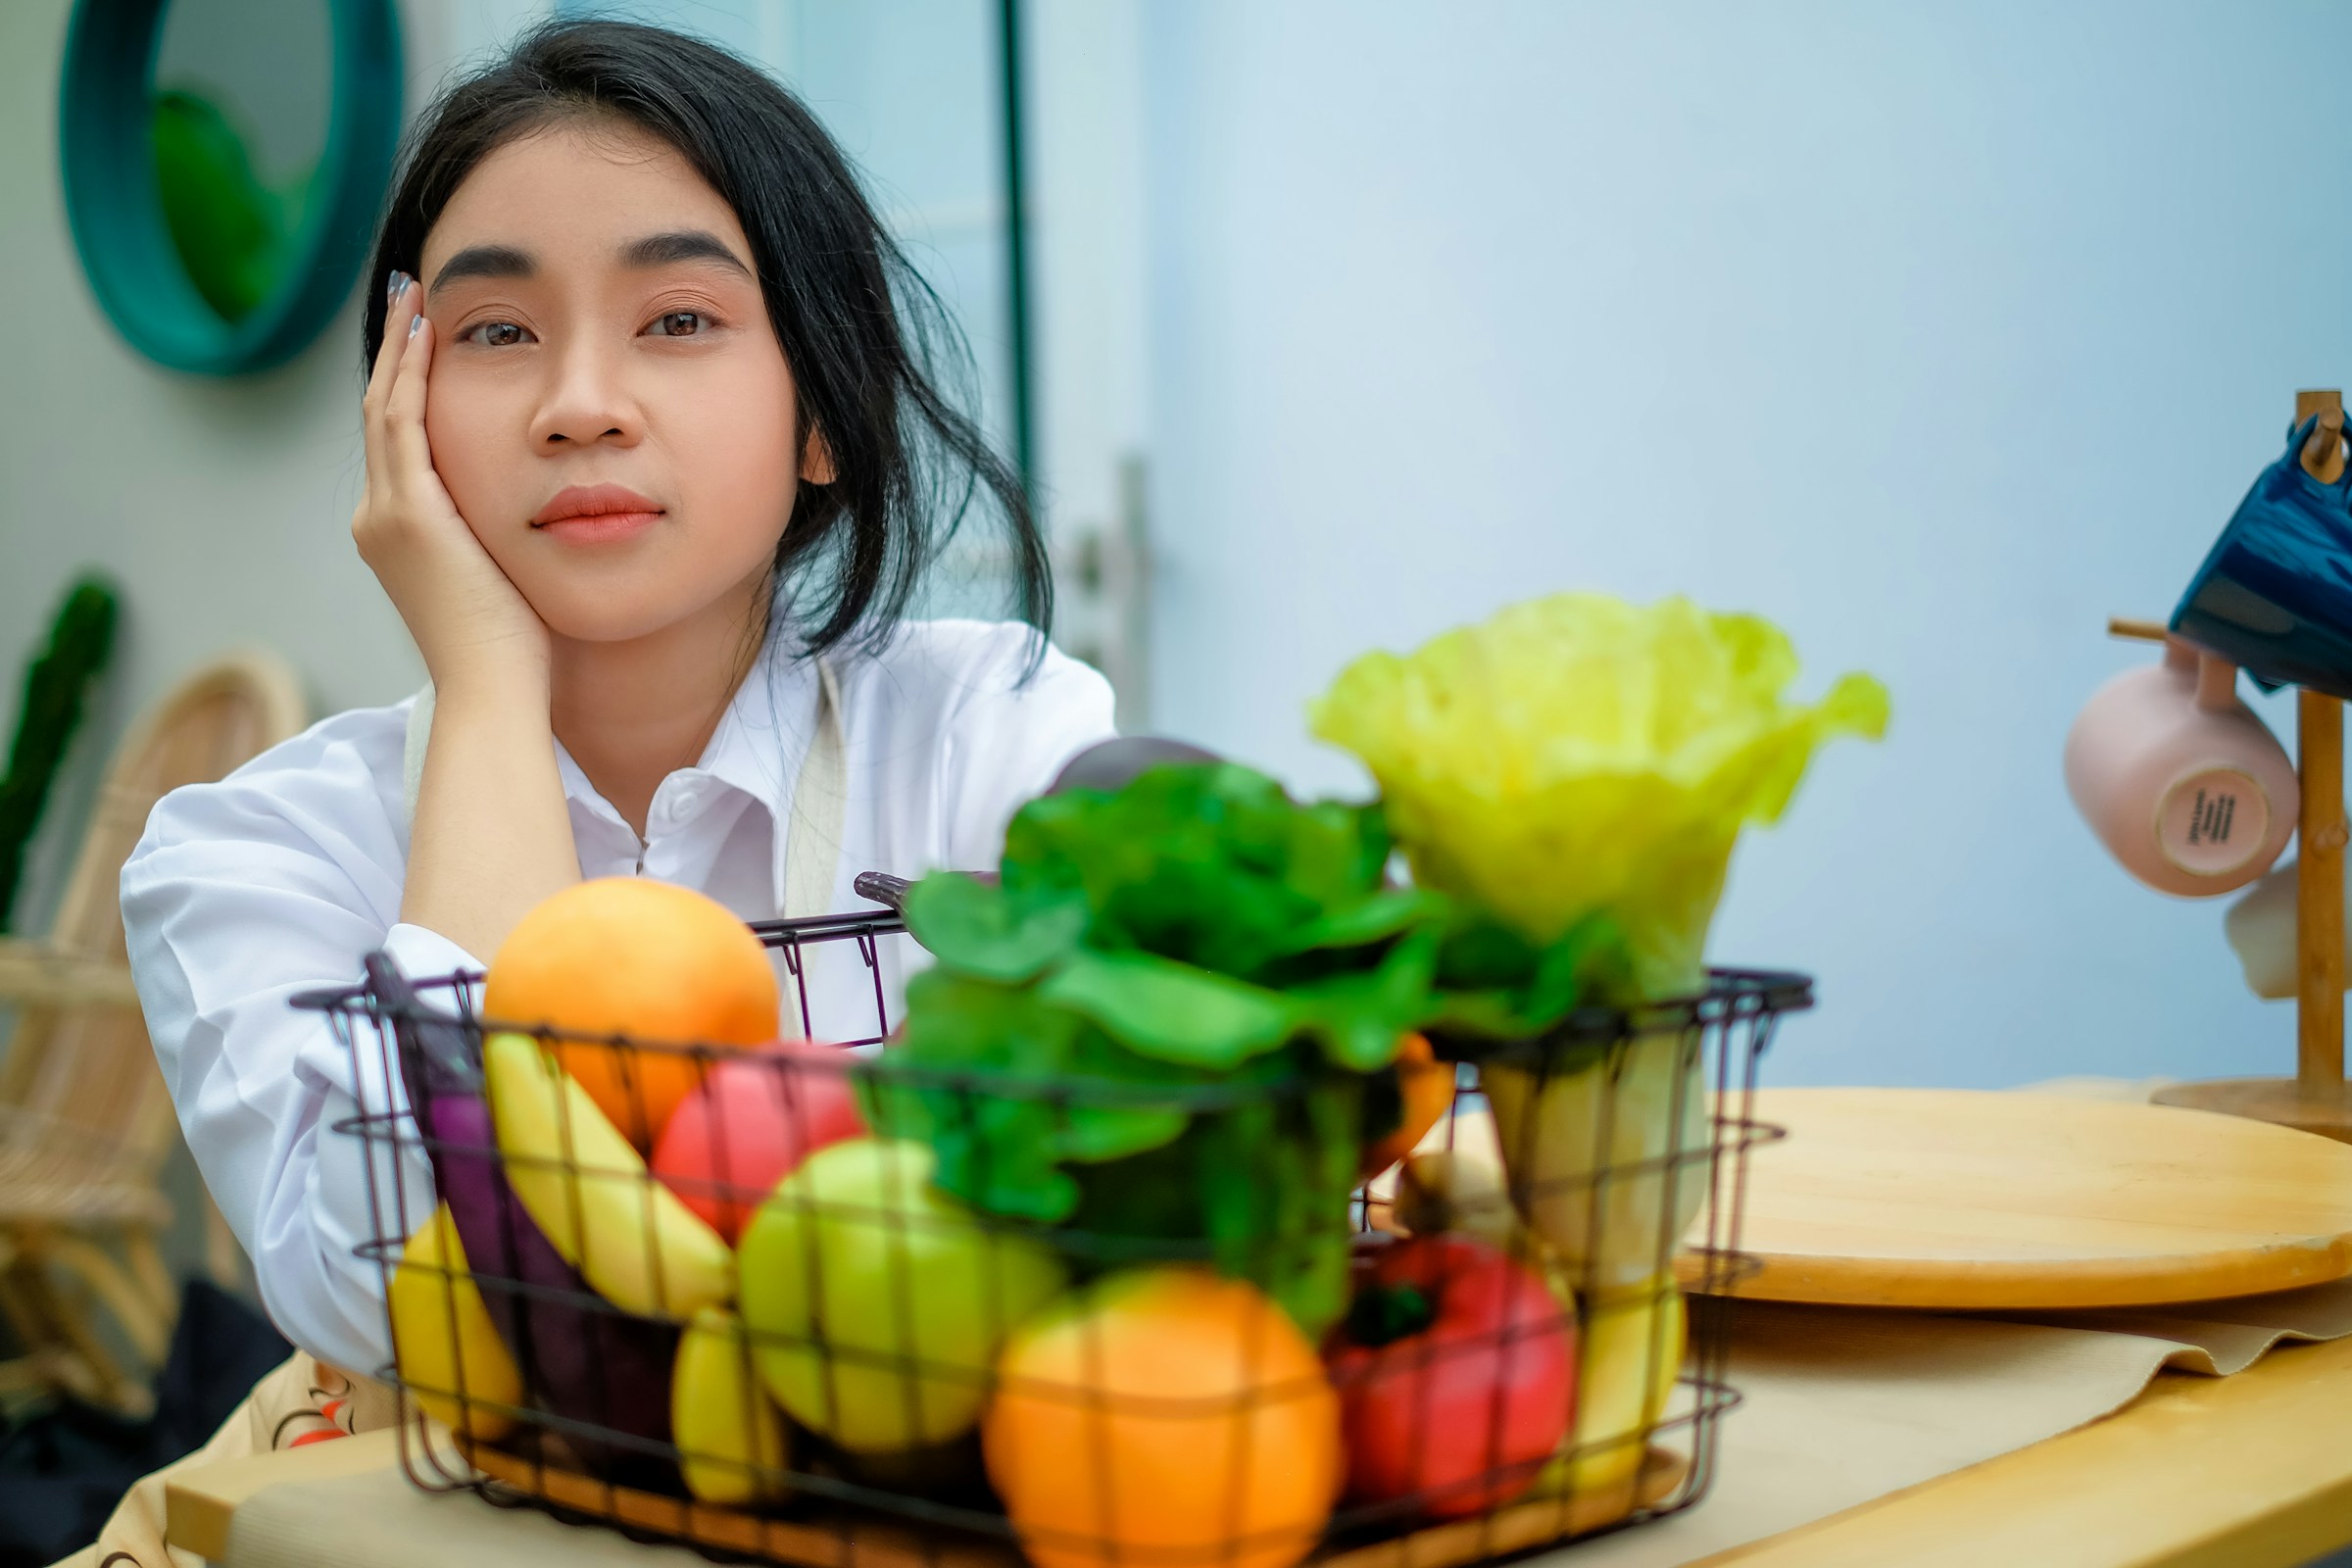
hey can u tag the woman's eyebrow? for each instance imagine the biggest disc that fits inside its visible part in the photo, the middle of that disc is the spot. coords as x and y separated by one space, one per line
484 261
680 245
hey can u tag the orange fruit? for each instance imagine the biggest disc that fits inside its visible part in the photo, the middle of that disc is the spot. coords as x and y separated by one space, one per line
1163 1416
1427 1085
624 956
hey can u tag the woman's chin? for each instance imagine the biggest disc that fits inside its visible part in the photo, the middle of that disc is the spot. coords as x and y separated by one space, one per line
607 621
610 615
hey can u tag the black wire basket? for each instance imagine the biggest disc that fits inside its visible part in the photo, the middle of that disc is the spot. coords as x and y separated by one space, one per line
847 1364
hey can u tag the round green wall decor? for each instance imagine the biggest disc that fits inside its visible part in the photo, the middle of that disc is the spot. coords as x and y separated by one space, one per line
198 264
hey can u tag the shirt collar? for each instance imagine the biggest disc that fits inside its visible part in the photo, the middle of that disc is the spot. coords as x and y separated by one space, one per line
758 749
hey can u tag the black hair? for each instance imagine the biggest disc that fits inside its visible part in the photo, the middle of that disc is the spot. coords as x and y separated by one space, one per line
868 342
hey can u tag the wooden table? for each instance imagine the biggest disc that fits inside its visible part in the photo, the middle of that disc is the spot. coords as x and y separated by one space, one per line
2252 1471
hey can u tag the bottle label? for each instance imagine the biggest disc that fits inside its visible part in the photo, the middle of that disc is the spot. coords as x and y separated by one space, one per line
2213 822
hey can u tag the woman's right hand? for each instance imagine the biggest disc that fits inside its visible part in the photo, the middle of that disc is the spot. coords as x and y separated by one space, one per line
491 835
470 622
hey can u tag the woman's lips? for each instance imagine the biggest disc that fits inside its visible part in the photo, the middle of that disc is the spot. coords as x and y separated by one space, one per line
600 527
596 514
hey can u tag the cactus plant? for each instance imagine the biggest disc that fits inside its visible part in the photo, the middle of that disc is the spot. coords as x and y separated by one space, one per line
56 684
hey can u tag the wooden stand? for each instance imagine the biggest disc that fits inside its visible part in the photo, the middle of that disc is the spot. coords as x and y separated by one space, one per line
2314 1098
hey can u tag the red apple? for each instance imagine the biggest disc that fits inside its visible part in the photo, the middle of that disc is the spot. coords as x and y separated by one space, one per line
750 1124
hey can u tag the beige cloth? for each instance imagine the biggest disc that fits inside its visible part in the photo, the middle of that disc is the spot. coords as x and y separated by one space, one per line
305 1526
1840 1406
302 1398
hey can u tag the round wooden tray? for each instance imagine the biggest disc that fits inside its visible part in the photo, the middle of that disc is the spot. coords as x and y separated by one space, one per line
1968 1200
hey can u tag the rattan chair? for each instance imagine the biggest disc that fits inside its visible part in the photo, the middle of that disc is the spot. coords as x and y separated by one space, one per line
86 1123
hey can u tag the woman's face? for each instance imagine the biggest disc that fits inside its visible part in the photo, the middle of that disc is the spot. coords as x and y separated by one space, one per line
600 347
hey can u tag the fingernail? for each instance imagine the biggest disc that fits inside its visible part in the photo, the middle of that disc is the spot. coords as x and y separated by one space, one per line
394 287
414 321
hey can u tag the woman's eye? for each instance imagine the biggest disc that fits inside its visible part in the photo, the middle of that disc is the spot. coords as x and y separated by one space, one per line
496 334
681 323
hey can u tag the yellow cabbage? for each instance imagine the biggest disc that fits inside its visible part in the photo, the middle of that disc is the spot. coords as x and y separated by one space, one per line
1579 755
1586 1154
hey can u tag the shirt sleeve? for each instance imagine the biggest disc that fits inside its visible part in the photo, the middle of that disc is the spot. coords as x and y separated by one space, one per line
1013 731
240 895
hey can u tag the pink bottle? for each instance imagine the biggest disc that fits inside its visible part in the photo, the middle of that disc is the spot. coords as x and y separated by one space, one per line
2179 779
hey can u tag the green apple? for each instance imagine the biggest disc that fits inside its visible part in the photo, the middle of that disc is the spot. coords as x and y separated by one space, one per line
877 1302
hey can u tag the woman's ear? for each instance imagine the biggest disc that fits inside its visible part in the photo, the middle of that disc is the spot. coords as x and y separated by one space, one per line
816 459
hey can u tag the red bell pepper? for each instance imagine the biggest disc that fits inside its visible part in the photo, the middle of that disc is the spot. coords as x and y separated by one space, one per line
1457 1375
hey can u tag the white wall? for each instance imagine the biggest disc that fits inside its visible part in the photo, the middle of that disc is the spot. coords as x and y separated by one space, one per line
1086 230
1935 333
221 505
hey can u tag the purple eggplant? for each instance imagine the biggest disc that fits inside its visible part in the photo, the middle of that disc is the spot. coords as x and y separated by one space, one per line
600 1372
1114 764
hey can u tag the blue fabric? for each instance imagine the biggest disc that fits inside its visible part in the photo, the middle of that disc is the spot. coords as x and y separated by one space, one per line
2274 596
64 1468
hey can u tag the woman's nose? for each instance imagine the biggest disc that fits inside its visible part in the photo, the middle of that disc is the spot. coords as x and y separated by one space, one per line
588 403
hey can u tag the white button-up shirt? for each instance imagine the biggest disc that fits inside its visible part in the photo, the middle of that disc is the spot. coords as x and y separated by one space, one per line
281 877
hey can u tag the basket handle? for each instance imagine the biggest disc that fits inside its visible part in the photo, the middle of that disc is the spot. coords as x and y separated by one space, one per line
891 890
436 1056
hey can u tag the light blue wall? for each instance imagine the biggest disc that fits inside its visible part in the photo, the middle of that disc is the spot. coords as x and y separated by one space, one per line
1936 332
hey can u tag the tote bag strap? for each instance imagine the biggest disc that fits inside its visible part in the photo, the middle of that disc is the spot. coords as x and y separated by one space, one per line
811 830
819 804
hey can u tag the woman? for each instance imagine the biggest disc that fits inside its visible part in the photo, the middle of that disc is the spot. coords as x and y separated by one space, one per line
656 462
